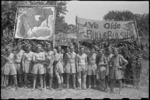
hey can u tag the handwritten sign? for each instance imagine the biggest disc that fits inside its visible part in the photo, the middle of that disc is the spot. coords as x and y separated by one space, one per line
105 30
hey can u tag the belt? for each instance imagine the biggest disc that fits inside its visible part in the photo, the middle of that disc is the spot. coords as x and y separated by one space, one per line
82 64
71 62
17 62
92 64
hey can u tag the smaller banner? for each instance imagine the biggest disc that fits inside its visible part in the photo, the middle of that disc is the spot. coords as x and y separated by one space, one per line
105 30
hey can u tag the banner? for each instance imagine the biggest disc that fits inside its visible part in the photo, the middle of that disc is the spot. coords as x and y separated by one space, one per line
35 22
105 30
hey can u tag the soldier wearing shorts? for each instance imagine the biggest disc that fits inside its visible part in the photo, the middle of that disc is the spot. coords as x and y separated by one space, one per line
102 62
117 62
108 56
49 65
27 61
92 67
9 68
59 70
70 66
18 63
38 68
81 69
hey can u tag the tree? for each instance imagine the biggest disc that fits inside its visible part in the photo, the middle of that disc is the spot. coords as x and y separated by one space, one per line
119 15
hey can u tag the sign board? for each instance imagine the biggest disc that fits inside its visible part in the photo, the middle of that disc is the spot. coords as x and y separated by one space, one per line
35 22
105 30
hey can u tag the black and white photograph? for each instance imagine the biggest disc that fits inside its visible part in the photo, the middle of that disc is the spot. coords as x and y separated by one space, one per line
74 49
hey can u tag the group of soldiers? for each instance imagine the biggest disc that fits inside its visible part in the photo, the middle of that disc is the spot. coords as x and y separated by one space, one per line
103 66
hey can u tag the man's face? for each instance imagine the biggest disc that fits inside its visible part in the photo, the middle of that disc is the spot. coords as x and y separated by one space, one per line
28 49
39 48
71 49
109 50
49 47
115 51
59 48
82 50
92 50
9 50
55 51
19 48
100 52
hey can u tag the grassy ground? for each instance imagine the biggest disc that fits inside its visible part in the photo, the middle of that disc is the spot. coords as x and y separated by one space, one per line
127 92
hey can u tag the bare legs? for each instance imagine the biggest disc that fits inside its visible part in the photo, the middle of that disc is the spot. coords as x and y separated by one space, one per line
74 80
83 81
60 80
90 81
51 81
26 79
34 80
68 75
113 83
79 79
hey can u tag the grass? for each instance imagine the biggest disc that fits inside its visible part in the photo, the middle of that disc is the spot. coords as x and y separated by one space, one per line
145 73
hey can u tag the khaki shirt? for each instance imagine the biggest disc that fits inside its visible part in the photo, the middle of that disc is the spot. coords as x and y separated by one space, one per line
92 59
28 56
71 57
18 56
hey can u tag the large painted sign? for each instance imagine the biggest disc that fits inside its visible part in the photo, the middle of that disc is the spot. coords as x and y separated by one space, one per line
105 30
35 22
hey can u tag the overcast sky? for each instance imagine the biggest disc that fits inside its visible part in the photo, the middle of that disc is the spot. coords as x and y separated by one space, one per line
97 9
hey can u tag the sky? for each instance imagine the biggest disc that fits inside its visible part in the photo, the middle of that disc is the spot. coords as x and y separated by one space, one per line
97 9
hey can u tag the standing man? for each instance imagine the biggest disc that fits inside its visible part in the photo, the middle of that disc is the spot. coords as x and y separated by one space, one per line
49 63
81 68
59 70
102 69
92 67
9 68
108 56
26 61
38 68
18 63
117 62
71 66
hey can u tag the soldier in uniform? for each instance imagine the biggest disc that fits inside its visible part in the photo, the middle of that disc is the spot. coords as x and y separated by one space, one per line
49 65
81 68
38 68
9 68
70 66
18 63
108 56
92 67
26 62
101 70
117 62
59 70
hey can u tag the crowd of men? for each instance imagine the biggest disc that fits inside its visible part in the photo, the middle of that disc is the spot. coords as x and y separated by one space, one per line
103 66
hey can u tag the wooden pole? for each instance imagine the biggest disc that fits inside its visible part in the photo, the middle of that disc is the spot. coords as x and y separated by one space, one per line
136 28
54 26
77 32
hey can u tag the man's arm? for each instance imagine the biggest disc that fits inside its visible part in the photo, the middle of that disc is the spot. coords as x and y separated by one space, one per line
125 62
